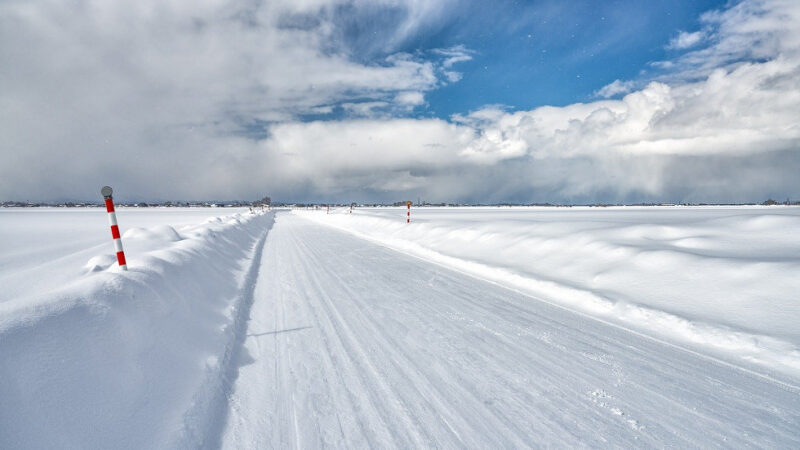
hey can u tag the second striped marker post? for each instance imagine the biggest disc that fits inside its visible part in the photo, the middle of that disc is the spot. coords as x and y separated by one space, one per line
112 220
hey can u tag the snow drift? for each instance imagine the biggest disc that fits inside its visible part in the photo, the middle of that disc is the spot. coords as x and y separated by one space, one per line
719 280
132 359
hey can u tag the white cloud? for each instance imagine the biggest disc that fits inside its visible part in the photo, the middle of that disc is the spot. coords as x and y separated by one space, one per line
451 56
418 14
615 88
686 40
205 63
364 109
452 76
454 55
410 98
750 30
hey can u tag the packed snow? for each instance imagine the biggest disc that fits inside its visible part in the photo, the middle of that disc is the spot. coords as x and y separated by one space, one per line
469 327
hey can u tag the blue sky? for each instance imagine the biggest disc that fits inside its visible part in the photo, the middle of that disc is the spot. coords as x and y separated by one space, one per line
534 53
378 100
561 55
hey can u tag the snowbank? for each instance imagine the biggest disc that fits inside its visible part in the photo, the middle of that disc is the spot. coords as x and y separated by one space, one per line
721 280
42 249
136 359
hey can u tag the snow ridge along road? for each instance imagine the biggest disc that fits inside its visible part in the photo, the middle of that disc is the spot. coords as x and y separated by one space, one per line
350 344
137 359
204 421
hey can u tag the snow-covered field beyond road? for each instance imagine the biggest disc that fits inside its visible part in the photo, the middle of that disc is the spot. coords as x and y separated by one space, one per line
475 328
725 279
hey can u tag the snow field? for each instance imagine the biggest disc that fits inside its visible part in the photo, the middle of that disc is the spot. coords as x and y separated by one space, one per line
135 359
722 280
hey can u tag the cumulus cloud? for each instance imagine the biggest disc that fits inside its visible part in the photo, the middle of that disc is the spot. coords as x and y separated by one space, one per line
183 100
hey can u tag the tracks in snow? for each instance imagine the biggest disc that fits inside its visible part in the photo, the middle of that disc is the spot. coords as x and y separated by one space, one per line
353 345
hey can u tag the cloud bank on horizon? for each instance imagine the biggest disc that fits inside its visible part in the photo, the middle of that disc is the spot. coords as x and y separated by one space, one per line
336 100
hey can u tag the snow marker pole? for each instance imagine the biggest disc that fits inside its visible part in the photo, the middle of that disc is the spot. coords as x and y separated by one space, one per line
112 220
408 213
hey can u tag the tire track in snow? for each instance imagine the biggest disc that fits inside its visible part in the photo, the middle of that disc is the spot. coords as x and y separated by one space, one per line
285 408
379 390
423 385
407 367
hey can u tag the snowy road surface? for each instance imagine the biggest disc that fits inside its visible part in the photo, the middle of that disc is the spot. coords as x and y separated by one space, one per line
350 344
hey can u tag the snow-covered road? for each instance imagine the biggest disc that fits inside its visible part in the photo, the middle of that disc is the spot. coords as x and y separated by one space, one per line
350 344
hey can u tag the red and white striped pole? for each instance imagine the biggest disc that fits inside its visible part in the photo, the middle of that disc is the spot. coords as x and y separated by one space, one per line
408 213
112 220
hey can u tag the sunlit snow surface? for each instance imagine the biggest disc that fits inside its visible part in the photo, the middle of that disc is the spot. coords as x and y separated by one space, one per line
491 327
